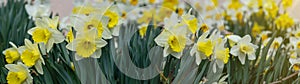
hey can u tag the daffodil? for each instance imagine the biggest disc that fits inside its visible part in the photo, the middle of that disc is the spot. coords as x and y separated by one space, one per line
191 22
46 32
284 21
142 30
87 44
31 56
38 8
18 74
12 54
233 39
264 35
203 48
220 55
256 29
85 9
235 4
84 23
287 3
173 37
294 60
244 47
173 43
114 20
296 44
171 4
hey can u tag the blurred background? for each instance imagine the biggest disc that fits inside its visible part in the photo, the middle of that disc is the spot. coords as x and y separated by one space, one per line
64 7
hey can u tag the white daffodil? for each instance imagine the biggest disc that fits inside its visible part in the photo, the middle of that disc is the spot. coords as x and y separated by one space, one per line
31 56
87 44
38 8
294 58
203 48
46 32
173 37
264 35
244 47
12 54
171 22
173 43
274 46
233 39
296 44
18 74
84 23
220 55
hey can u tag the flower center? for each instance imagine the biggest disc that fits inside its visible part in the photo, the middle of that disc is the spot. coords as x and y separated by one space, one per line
41 35
113 18
246 49
16 77
11 56
85 48
29 57
174 44
93 23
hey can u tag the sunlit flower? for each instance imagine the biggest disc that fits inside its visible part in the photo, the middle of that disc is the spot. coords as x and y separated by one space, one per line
18 74
87 44
244 47
31 56
12 54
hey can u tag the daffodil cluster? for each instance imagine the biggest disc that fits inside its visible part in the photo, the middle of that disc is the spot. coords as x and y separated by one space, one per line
220 33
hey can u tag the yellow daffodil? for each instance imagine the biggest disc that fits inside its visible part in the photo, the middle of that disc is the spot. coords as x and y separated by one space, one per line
46 32
191 22
114 20
142 30
244 47
235 4
134 2
284 21
203 48
87 44
31 56
171 4
84 23
220 55
18 74
286 3
256 29
70 36
12 54
272 8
